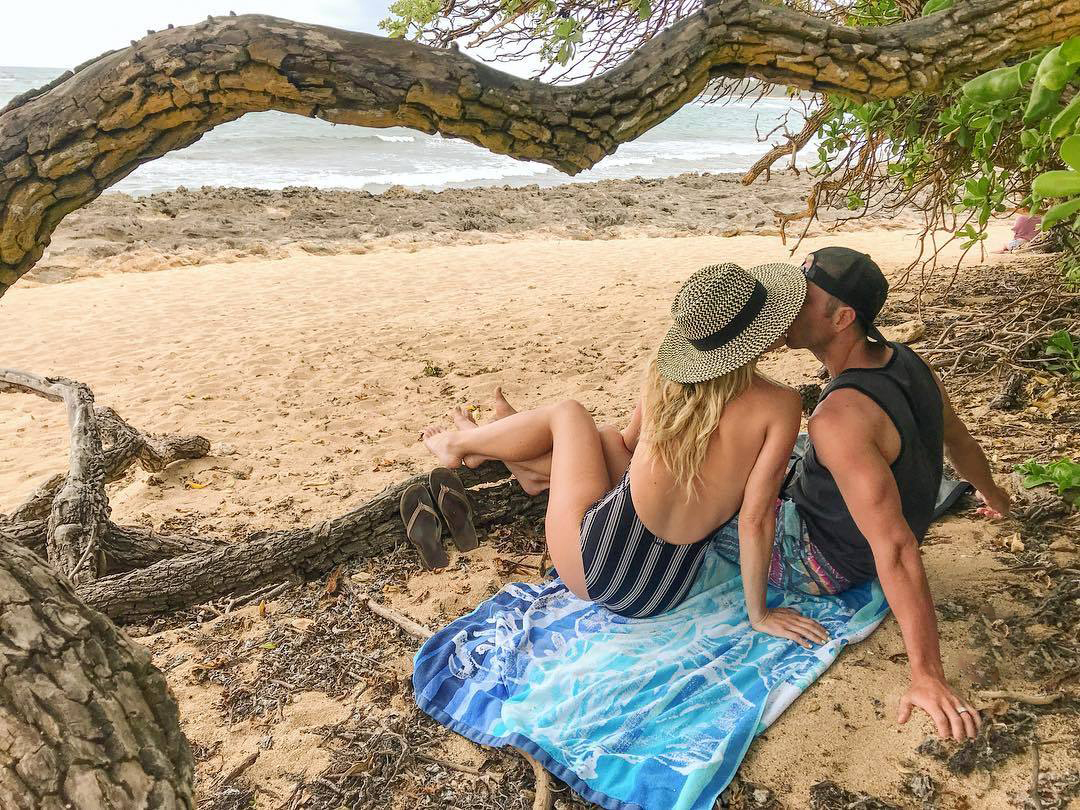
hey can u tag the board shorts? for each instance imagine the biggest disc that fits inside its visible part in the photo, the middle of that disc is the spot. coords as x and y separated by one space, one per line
796 564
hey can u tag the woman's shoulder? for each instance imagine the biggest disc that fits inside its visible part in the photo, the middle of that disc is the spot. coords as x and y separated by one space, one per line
775 394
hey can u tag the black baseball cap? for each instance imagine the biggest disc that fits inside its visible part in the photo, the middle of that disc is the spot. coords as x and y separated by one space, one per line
852 277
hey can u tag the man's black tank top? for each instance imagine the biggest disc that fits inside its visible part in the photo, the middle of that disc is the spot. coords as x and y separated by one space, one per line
905 389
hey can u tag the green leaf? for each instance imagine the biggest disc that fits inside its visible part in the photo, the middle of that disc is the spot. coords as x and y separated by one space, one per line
1070 151
934 6
1063 473
1061 343
1057 184
1070 50
1060 212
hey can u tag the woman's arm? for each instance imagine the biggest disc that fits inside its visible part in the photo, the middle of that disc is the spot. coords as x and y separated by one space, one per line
757 529
632 432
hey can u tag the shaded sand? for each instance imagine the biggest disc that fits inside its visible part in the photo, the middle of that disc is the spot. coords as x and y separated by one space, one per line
312 377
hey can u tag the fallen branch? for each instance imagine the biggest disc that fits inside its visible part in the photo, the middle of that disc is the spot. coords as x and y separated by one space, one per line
1022 697
152 573
545 799
232 775
79 508
404 622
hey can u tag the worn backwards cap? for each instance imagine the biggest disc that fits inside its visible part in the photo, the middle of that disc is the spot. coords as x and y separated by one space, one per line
852 277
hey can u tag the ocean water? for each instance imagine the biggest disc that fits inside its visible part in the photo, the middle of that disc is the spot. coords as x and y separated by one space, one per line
274 150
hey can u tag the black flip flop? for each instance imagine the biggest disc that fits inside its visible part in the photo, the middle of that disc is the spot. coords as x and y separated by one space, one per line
422 526
453 503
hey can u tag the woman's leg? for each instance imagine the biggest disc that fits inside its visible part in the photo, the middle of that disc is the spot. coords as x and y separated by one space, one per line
534 475
579 474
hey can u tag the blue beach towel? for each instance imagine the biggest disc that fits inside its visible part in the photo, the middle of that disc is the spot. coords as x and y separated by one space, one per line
633 714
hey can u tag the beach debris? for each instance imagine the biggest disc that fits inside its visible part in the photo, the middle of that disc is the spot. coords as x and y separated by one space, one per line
543 799
404 622
827 795
1051 791
921 786
741 794
1000 738
907 332
1009 398
810 394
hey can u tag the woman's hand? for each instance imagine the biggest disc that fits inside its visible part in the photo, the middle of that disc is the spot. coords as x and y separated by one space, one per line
790 624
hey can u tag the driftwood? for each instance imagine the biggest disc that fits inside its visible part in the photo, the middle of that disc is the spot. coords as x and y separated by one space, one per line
66 518
62 146
140 572
404 622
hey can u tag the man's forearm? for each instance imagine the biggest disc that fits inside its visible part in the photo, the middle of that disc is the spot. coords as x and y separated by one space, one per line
970 462
903 579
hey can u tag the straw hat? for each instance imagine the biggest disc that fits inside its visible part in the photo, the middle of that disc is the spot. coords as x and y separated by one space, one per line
726 316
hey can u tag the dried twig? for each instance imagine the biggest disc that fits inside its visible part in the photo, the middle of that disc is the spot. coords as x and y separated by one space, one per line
1022 697
404 622
544 800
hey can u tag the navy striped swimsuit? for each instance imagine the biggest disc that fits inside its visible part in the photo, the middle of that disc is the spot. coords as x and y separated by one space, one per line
628 569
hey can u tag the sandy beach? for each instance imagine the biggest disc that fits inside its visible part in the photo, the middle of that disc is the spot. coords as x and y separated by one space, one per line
312 366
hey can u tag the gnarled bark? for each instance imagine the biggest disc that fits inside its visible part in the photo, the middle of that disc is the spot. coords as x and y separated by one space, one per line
66 518
86 721
61 148
79 506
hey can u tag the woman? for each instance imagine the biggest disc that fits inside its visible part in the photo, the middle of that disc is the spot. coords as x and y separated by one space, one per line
715 439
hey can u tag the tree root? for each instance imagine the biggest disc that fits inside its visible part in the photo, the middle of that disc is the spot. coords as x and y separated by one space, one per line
141 573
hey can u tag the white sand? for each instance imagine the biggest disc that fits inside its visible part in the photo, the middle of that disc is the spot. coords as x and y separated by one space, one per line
309 373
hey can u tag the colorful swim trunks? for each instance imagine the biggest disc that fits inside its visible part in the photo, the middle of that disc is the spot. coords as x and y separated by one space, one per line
797 564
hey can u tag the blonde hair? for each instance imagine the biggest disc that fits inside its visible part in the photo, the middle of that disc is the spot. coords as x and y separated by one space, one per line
680 418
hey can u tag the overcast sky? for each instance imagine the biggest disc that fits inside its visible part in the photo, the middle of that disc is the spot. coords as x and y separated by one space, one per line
64 33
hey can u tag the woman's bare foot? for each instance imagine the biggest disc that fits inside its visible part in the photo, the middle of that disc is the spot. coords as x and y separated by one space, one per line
439 441
463 420
503 408
533 482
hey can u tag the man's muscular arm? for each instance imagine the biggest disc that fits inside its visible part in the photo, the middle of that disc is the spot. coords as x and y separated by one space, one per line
843 432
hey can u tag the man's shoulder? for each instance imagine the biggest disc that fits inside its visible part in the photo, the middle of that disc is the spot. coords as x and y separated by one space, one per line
846 415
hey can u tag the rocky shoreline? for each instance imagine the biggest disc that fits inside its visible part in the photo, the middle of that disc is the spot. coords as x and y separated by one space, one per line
121 233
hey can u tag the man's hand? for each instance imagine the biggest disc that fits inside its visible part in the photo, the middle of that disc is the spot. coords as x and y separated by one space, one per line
953 716
997 502
788 623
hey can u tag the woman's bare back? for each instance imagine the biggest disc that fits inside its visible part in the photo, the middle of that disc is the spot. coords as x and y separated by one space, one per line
734 448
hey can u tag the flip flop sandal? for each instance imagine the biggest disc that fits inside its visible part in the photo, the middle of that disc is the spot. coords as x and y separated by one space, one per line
423 526
453 503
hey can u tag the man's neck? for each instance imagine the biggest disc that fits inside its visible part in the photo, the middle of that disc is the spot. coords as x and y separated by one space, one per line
850 350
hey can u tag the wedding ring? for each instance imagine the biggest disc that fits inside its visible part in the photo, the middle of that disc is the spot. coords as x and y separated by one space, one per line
961 710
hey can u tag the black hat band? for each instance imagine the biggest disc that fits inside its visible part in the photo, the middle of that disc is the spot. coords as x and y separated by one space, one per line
736 325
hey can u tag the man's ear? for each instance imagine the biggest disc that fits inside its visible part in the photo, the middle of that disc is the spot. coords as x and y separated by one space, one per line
843 318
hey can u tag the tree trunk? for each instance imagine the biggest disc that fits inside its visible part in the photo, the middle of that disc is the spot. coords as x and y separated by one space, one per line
73 510
124 548
86 721
61 148
370 530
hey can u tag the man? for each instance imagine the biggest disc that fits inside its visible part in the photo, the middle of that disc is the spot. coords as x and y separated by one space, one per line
867 485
